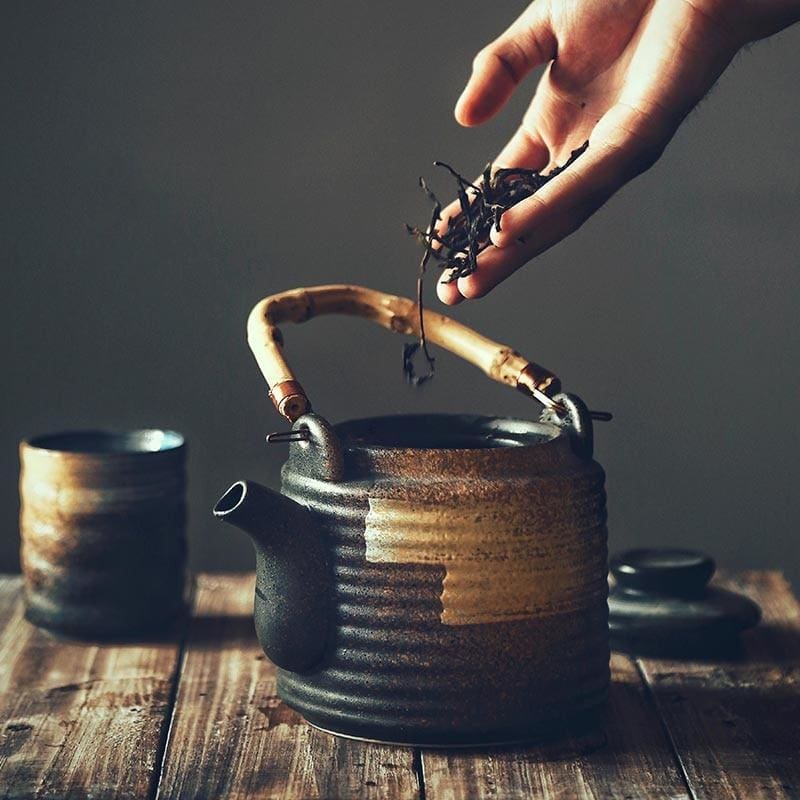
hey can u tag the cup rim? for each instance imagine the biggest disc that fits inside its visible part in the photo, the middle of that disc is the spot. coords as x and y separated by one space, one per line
107 442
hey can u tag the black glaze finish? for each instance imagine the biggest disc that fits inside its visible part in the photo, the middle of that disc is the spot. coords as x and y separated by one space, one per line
437 432
321 457
576 421
679 573
662 605
292 575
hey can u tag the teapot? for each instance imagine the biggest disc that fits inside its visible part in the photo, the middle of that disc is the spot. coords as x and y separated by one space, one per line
429 579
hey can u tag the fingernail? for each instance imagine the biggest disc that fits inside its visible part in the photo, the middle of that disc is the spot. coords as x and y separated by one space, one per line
458 111
468 288
497 237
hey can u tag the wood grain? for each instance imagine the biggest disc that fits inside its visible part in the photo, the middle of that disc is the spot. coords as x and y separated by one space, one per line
232 737
736 724
632 761
79 720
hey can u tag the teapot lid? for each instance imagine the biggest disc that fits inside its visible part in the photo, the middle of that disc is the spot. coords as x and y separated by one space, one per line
661 604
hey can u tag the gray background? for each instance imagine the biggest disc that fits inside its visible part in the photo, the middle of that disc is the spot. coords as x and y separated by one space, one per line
165 165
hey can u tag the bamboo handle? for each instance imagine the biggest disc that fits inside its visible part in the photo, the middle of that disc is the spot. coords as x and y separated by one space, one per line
398 314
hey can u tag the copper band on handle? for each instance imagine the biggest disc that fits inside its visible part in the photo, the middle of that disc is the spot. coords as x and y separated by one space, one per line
290 399
538 382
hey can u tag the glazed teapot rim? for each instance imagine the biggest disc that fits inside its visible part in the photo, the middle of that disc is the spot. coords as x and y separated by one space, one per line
450 432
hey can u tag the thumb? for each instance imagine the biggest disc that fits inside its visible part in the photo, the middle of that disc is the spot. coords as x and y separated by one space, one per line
498 69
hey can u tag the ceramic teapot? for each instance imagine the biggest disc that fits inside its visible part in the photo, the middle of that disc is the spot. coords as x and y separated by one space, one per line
429 579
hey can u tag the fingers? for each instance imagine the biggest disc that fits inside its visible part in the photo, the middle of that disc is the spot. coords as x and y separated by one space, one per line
501 65
449 293
525 149
624 143
496 264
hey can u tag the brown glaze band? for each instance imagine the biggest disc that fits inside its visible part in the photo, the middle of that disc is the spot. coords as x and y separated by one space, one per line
102 524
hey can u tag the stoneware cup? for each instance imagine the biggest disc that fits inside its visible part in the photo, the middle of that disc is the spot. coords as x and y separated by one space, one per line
102 523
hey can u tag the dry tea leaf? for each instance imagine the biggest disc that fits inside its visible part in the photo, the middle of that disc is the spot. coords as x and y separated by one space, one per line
456 249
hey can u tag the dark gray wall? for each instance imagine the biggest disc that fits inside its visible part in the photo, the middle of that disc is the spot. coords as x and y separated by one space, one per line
165 165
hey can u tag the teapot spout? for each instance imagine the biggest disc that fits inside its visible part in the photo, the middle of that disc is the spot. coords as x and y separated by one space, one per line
249 506
293 582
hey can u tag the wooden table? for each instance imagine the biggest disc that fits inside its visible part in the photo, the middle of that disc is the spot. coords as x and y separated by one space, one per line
197 717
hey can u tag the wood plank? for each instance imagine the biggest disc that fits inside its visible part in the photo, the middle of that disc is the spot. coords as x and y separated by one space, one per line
77 719
633 760
232 737
736 724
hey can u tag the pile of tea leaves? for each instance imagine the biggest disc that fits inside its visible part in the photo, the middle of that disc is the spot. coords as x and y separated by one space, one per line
455 245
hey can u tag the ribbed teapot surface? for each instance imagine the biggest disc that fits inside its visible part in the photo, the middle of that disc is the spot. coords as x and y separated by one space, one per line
469 582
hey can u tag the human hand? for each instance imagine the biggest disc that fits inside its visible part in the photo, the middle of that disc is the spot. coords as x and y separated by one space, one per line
622 74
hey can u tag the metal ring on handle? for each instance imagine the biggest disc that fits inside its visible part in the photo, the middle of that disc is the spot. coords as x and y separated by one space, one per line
398 314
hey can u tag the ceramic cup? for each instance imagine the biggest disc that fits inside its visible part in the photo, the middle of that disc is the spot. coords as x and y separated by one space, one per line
102 523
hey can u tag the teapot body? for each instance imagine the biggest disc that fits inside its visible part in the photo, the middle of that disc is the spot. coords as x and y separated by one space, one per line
467 581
